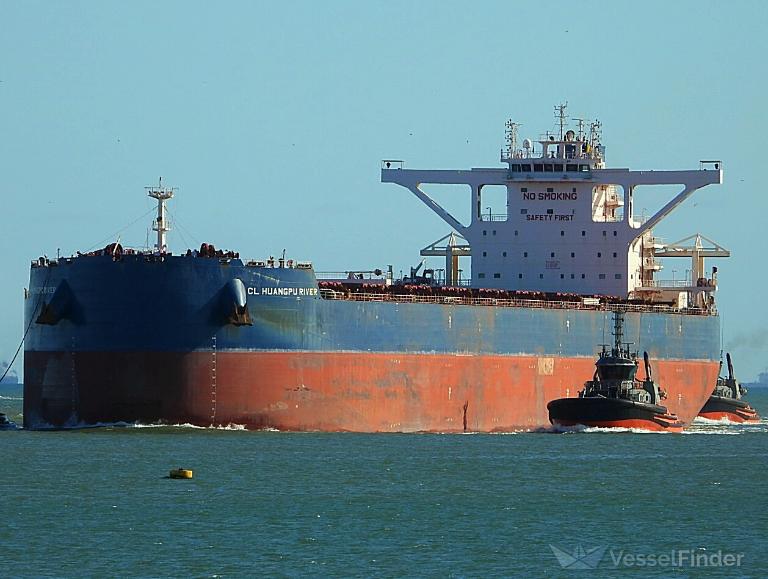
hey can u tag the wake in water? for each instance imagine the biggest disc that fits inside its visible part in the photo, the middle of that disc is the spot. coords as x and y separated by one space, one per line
702 425
581 429
180 426
724 420
187 425
713 427
139 425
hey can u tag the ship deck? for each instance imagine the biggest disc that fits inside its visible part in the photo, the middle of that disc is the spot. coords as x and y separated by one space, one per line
593 304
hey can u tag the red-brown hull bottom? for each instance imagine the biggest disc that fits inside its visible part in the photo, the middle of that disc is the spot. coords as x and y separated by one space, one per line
732 417
325 391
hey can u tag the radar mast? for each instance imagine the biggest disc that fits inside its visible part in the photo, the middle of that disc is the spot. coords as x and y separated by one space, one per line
511 138
161 224
561 116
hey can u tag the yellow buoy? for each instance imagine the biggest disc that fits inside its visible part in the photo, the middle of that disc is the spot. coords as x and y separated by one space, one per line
181 473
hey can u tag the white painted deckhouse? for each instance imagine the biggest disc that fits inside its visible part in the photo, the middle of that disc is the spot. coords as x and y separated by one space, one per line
570 223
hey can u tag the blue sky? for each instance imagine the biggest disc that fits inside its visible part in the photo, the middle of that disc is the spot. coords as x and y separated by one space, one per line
272 118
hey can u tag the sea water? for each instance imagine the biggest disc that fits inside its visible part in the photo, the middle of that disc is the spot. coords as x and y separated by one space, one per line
96 502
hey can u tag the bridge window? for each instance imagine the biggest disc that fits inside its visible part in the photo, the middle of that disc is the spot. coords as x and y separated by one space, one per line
571 168
547 168
583 167
538 168
515 168
558 168
496 275
525 168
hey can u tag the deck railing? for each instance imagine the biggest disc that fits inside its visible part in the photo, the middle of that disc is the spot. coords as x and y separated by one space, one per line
493 217
330 294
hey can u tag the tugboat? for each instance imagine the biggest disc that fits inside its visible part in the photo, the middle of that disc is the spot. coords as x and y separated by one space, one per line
725 401
615 398
6 423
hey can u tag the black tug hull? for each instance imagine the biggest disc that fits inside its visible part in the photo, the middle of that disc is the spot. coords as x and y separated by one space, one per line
612 413
719 408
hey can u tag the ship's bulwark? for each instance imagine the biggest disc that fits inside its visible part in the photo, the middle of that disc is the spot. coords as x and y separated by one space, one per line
326 391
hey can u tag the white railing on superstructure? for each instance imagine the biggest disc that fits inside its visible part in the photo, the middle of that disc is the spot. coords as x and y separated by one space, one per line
667 283
493 217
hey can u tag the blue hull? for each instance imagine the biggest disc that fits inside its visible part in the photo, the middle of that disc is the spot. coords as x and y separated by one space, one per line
181 303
